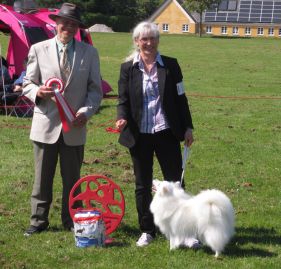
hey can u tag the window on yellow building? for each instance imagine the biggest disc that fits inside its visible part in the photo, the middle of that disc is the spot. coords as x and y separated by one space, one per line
208 29
223 30
247 30
185 28
279 33
270 31
235 30
165 27
260 31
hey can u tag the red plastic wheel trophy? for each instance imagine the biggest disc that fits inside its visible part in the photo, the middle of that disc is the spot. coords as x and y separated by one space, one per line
97 192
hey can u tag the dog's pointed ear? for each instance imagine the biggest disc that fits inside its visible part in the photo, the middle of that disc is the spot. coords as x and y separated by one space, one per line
165 190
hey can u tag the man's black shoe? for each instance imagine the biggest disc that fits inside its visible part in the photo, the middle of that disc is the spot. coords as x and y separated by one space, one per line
69 227
33 229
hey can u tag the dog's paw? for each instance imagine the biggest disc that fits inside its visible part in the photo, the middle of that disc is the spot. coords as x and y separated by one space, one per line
173 246
217 255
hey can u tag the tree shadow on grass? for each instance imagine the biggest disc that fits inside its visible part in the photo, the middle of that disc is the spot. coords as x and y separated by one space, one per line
118 235
116 243
113 240
236 248
127 230
235 251
122 229
260 236
105 106
253 235
257 235
55 228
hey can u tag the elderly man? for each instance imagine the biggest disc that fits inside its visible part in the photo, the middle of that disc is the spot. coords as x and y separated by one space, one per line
77 65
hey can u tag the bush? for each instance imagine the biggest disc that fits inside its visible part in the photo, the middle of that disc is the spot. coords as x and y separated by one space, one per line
119 23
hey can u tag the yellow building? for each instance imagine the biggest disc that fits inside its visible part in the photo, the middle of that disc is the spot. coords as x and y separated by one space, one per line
243 18
171 17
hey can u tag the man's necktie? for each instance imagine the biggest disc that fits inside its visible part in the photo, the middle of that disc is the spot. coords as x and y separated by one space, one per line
64 65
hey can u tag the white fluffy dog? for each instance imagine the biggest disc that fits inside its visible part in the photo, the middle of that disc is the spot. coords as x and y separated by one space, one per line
208 216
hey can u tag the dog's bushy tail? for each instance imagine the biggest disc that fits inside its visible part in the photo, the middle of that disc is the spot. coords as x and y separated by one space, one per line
217 222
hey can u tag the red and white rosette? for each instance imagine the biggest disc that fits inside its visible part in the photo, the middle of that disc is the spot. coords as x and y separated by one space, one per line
66 113
55 84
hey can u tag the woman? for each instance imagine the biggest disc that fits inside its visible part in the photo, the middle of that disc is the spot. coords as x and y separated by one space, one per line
153 117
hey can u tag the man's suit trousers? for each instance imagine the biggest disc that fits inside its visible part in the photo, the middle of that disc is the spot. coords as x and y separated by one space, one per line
46 157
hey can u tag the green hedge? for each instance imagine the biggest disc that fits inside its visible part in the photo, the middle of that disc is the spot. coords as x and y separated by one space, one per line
118 23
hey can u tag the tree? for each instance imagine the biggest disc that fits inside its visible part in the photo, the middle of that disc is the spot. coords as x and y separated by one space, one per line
121 15
48 3
145 8
10 3
199 6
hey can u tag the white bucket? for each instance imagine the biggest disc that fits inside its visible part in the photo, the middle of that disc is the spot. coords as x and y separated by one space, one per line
89 229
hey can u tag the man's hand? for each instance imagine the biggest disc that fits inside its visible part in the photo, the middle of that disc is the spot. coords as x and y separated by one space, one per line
80 120
45 92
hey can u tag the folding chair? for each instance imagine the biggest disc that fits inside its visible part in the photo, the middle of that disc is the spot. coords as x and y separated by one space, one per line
7 98
23 107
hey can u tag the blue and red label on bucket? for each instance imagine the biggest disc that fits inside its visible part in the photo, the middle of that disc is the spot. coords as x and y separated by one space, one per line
89 229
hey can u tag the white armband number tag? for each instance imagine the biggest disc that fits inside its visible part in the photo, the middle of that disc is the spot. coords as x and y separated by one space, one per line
180 88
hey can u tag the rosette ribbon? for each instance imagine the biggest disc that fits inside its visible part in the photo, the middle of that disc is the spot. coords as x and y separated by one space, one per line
66 113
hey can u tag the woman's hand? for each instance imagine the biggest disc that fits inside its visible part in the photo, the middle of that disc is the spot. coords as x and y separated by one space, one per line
120 124
188 137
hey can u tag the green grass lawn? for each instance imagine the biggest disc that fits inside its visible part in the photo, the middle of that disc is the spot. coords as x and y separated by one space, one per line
233 86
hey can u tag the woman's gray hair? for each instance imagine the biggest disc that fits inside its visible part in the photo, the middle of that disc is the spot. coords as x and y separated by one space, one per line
143 29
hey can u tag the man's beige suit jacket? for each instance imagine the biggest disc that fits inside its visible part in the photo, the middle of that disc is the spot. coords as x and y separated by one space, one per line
82 90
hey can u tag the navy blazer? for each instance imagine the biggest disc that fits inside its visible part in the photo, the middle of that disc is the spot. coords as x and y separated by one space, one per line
130 106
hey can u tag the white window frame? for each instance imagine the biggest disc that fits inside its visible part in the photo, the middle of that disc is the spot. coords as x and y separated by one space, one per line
209 29
279 32
224 30
260 31
165 27
248 31
185 28
270 31
235 30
